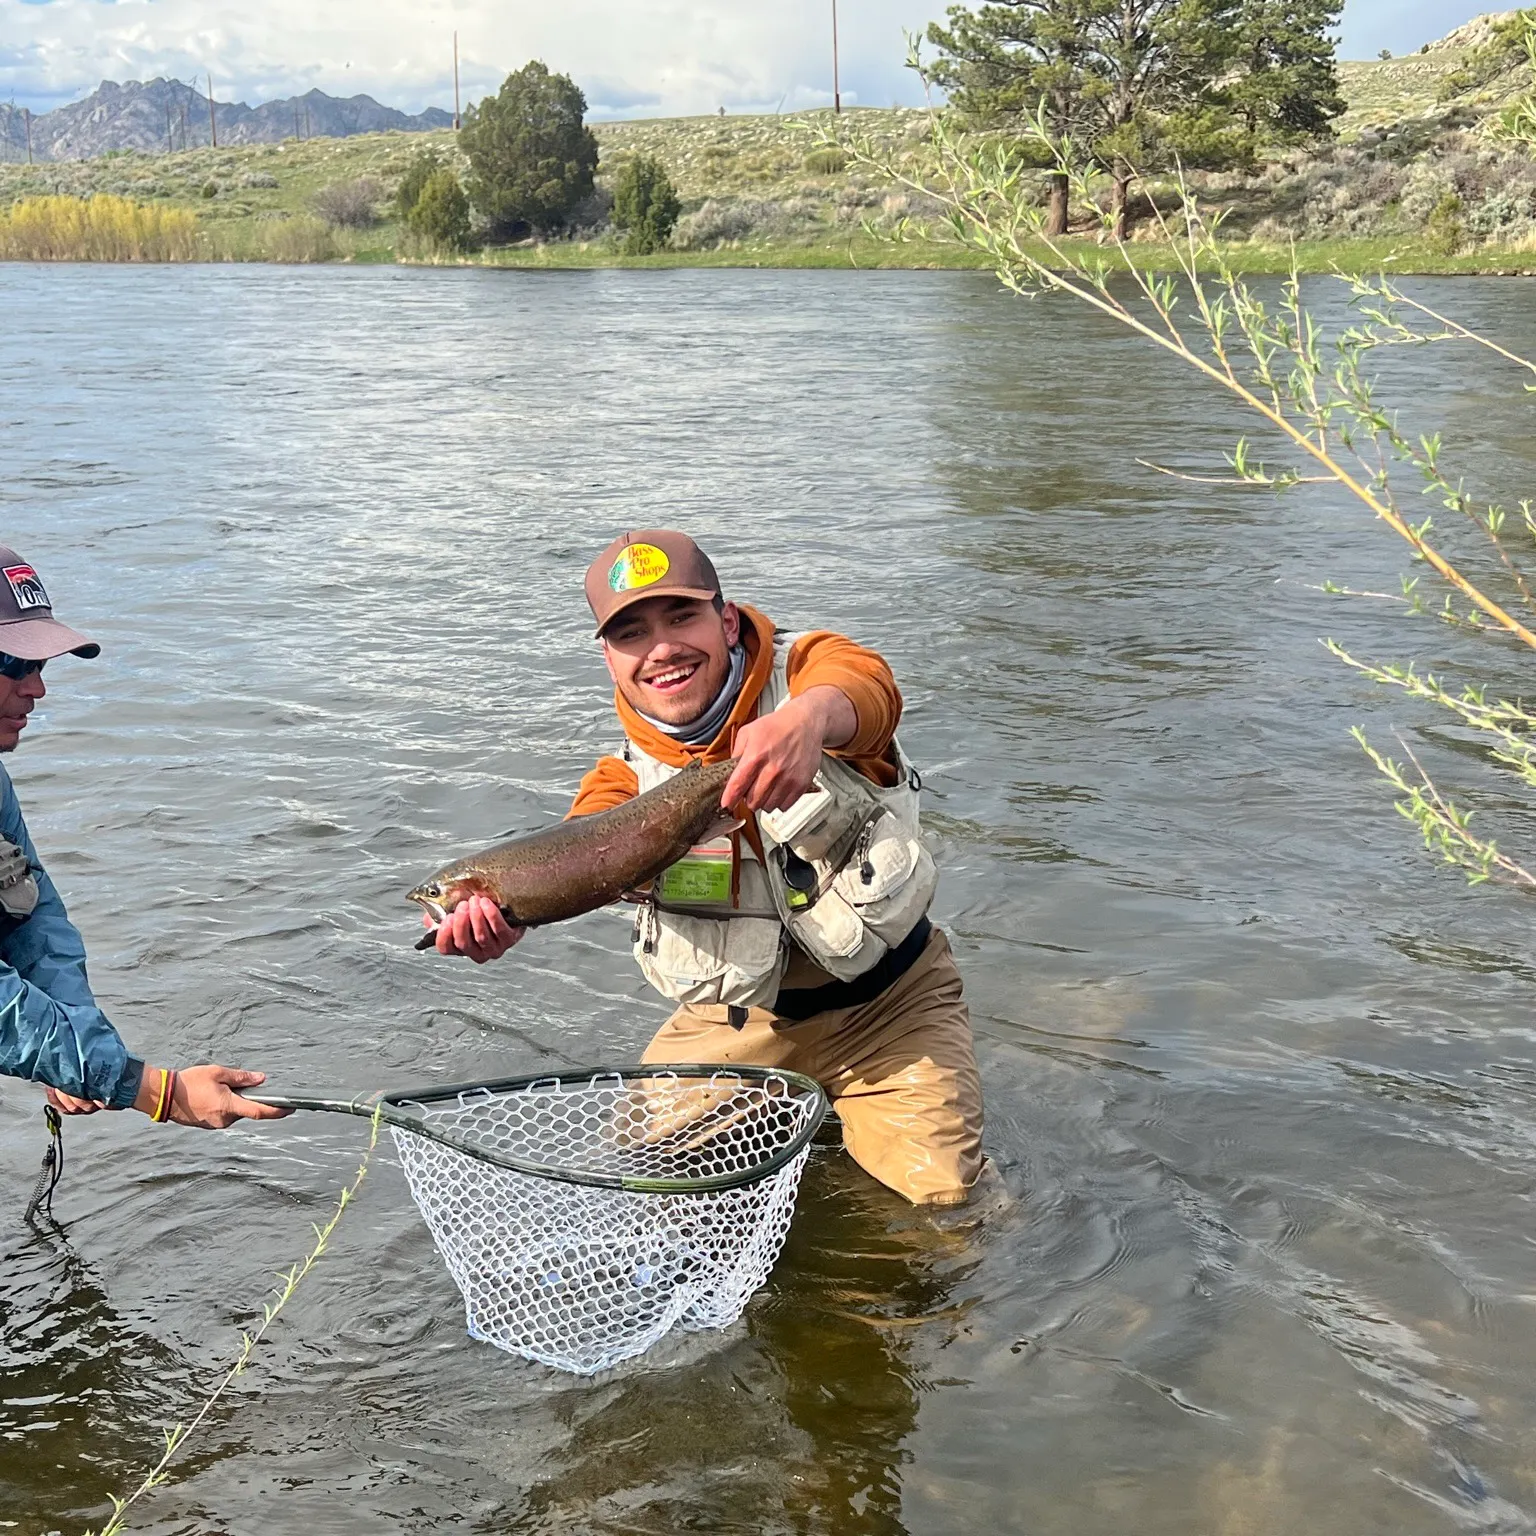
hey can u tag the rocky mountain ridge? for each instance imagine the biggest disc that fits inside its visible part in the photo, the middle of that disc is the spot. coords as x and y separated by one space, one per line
168 115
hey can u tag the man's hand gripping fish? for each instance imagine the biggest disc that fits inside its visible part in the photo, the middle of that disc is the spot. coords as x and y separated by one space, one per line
587 862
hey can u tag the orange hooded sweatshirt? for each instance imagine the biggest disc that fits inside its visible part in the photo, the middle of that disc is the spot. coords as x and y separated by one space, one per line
815 660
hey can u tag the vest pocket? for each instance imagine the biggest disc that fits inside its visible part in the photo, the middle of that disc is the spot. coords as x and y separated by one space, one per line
831 933
736 960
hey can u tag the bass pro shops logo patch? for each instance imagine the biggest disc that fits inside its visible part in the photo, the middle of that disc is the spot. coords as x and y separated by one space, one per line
638 566
26 587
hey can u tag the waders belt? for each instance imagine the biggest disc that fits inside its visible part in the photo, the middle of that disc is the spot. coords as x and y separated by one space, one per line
803 1002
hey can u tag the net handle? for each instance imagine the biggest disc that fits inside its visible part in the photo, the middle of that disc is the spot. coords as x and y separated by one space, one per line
393 1108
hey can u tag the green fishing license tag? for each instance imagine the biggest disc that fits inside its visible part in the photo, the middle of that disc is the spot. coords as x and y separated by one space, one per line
702 877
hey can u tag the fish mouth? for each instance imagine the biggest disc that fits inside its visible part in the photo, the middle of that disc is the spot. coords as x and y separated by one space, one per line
435 909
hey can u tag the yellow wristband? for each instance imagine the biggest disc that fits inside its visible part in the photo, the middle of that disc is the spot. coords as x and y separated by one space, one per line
163 1102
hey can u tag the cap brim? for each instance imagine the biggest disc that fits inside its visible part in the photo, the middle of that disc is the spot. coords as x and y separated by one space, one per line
43 639
646 593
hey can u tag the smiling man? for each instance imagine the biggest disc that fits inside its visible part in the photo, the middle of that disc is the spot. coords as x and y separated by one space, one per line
51 1030
801 939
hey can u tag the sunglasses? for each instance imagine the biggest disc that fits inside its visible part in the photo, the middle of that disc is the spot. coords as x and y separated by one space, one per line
18 667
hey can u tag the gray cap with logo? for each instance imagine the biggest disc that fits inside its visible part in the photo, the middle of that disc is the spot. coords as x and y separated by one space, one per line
27 626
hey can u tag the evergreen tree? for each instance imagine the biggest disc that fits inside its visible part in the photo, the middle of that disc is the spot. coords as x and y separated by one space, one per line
1134 82
440 215
645 205
1285 85
1015 57
417 173
532 157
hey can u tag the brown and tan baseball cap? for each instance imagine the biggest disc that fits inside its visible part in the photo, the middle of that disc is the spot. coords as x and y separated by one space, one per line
651 562
27 626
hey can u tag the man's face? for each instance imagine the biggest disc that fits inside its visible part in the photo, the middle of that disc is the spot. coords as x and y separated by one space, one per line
16 701
669 656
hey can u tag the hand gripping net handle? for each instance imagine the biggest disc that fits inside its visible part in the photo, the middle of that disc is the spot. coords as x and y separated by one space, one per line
404 1109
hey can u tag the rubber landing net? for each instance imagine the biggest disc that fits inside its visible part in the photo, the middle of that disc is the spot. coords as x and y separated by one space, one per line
585 1216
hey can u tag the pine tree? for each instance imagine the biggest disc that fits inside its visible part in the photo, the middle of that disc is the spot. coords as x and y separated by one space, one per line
1134 82
440 214
531 156
1285 86
645 205
1015 58
422 167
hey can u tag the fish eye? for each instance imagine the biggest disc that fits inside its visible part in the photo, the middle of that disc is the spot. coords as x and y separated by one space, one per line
434 889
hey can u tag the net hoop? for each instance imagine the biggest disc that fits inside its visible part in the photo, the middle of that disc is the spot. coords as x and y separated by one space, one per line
406 1110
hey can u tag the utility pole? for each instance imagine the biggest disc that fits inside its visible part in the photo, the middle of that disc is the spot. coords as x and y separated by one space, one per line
213 126
308 130
170 135
455 82
295 119
26 117
837 94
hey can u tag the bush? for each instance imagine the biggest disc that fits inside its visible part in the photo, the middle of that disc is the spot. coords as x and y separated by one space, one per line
422 167
101 228
210 189
349 204
532 157
440 215
826 162
1445 229
299 240
717 223
1500 213
645 206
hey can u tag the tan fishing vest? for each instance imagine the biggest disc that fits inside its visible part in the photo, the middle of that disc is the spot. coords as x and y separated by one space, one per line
717 926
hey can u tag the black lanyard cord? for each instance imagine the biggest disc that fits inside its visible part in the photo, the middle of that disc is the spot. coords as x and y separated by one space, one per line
53 1167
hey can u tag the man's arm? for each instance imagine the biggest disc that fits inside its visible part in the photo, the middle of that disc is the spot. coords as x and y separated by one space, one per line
843 699
51 1030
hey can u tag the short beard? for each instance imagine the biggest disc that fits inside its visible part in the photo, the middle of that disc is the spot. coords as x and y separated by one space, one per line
714 674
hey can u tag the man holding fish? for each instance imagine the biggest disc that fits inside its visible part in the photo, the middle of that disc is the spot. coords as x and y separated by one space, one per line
792 931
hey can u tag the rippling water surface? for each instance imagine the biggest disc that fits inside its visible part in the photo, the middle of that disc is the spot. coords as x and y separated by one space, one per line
1259 1078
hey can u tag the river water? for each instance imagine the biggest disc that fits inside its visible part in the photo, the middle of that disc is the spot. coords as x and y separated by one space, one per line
1259 1077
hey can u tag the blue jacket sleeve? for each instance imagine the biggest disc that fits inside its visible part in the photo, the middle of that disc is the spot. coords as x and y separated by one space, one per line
50 1027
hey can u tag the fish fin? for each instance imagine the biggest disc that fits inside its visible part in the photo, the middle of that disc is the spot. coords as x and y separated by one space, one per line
426 941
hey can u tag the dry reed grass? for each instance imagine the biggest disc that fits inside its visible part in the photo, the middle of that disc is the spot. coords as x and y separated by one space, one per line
99 228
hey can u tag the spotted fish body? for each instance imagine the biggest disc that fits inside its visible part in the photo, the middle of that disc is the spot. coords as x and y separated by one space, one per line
588 861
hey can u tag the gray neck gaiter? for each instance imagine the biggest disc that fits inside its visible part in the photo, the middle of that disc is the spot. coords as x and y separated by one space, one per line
700 732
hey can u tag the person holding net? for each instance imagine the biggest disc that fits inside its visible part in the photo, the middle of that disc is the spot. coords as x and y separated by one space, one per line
51 1030
800 940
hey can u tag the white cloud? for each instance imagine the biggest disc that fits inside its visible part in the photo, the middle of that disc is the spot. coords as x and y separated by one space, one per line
633 57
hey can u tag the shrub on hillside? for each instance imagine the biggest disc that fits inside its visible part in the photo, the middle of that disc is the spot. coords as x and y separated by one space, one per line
440 215
419 170
720 222
826 162
532 158
717 223
350 204
645 205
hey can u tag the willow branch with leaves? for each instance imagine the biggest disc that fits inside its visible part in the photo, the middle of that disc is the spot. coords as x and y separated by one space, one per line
1312 391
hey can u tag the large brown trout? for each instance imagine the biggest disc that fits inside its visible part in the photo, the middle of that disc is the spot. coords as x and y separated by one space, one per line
584 863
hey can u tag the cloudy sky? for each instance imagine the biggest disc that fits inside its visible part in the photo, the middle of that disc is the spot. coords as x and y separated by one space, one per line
634 58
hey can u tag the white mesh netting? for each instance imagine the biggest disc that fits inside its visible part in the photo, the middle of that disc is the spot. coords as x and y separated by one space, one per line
579 1277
